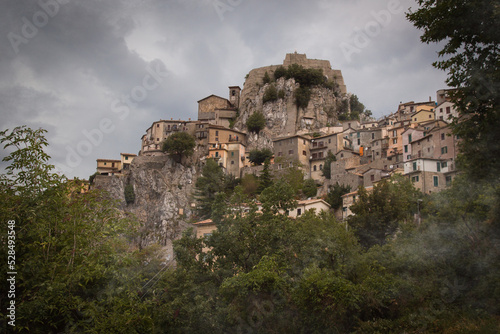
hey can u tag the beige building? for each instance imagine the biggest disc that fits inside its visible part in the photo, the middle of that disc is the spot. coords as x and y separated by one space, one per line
126 160
446 111
348 200
204 228
218 110
109 166
292 150
423 116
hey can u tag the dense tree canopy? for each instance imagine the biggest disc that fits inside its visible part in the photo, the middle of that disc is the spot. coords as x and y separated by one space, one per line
180 144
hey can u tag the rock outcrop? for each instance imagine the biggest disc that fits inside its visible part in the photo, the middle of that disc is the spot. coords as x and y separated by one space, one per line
163 197
283 116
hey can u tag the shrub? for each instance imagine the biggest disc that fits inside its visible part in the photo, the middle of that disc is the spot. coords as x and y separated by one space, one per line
281 94
266 79
180 143
258 157
302 97
271 94
256 122
310 189
129 194
280 72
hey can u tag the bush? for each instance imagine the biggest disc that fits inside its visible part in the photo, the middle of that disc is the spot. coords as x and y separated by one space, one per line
310 189
180 143
258 157
302 97
281 94
129 194
266 79
280 72
271 94
256 122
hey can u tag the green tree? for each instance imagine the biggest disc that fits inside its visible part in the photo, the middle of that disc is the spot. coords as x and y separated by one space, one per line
256 122
302 97
470 56
335 193
327 168
258 157
129 194
378 214
265 178
266 79
310 189
70 247
207 186
180 144
271 94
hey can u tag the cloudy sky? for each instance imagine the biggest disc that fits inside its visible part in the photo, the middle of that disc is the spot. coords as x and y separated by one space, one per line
97 73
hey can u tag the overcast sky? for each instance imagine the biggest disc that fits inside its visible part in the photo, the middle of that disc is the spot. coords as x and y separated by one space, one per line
97 73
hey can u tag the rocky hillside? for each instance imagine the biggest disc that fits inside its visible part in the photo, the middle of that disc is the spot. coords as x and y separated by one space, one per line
163 192
283 116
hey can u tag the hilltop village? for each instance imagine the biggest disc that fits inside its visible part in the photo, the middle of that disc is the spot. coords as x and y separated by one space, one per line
415 141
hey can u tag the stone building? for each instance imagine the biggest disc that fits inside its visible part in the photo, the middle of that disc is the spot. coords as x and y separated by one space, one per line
292 150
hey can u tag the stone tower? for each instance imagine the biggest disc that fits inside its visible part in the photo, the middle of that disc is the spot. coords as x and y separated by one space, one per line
234 96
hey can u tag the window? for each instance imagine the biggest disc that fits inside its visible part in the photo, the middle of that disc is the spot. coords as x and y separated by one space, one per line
444 164
406 148
394 133
415 165
216 154
290 152
126 158
232 162
157 125
299 212
408 156
372 178
373 135
157 139
395 141
216 133
442 136
304 153
419 154
444 150
448 110
436 181
280 154
320 167
304 141
216 139
359 141
438 165
105 164
329 140
314 168
414 179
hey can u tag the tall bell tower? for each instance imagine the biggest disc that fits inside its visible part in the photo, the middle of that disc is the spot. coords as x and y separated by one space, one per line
234 96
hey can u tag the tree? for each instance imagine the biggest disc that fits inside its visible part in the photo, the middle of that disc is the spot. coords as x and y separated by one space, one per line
180 144
266 79
265 178
258 157
207 186
271 94
70 247
327 168
310 189
129 194
256 122
335 193
377 214
470 56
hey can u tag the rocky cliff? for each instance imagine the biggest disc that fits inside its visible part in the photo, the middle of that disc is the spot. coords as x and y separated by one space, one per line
283 117
163 197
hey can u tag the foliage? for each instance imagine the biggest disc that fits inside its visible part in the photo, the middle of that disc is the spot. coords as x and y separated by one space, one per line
129 194
71 247
281 94
335 193
266 79
265 178
92 177
302 97
207 186
256 122
180 144
470 56
378 213
270 95
280 72
327 168
250 184
258 157
309 189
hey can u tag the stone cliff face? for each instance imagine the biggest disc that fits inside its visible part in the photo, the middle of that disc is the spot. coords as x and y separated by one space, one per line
163 197
283 118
